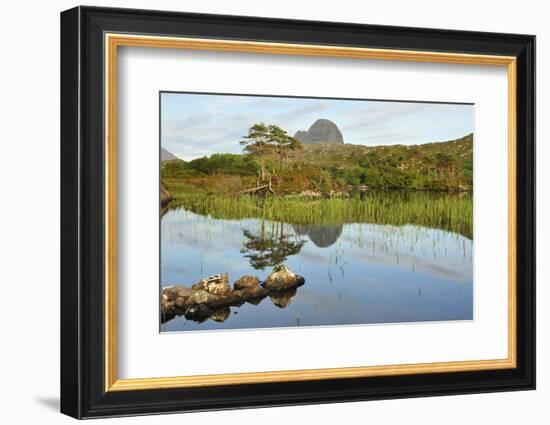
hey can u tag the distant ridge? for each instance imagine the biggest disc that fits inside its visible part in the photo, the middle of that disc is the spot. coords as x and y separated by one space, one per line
166 156
321 131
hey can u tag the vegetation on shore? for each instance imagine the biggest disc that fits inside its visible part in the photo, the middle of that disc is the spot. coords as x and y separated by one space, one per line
329 183
327 168
451 211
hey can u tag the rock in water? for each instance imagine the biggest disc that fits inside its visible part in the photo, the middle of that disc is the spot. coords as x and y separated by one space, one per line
174 292
282 278
251 294
200 296
217 284
174 297
246 282
322 131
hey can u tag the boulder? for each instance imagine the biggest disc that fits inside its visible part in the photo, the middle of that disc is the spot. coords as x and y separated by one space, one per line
282 278
167 307
177 295
251 293
173 292
246 282
217 284
173 298
211 297
230 300
201 297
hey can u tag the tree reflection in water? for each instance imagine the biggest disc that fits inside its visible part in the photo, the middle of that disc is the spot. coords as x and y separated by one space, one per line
271 246
276 241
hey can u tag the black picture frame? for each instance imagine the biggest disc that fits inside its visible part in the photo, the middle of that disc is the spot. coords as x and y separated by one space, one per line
83 392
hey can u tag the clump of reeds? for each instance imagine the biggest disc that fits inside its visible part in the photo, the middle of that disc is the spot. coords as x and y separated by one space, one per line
452 212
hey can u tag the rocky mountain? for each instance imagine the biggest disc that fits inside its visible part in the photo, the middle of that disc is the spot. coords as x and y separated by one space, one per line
322 131
166 156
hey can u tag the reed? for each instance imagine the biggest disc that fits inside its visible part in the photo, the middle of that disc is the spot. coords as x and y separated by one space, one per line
448 211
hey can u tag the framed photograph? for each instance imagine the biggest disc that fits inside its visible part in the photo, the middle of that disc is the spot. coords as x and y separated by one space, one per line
261 212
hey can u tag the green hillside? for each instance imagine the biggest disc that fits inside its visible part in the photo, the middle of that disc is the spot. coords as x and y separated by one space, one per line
329 169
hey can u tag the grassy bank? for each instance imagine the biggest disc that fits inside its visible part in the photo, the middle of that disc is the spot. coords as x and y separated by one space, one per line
407 184
451 212
329 167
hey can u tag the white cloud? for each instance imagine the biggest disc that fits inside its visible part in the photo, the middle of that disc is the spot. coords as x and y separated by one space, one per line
197 125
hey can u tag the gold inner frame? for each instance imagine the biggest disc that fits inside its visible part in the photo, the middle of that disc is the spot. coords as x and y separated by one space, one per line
113 41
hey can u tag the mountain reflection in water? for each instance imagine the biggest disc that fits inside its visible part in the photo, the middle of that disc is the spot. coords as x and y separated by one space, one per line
322 235
355 273
276 241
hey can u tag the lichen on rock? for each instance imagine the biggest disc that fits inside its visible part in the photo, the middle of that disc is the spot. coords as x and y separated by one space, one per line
212 296
217 284
246 282
282 278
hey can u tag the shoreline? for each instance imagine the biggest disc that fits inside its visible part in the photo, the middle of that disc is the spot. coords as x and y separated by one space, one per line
452 211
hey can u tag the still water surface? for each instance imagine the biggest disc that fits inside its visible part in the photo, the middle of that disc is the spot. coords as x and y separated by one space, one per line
357 273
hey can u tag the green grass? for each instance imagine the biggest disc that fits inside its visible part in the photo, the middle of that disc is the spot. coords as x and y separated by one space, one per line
448 211
427 177
335 167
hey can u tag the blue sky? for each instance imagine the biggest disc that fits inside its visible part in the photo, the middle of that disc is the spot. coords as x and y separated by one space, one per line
195 125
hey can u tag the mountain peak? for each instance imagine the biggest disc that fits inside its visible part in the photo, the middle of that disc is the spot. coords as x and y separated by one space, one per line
166 156
321 131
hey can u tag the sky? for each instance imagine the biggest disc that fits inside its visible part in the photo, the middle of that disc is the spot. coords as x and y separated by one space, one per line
195 125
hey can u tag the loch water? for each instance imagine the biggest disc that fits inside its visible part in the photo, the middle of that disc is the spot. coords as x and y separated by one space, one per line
355 273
